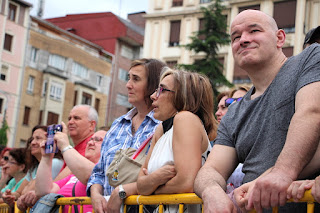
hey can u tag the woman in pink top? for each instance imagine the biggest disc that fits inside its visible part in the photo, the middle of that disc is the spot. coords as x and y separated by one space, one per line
81 168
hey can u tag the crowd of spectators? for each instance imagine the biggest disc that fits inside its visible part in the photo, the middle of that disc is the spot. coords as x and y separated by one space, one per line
254 154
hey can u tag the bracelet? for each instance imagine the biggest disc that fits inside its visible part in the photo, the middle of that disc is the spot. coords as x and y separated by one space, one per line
66 148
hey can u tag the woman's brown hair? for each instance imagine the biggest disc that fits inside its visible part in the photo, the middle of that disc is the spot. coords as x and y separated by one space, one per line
153 69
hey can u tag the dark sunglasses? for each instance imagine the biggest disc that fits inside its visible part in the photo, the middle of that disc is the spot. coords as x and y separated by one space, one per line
160 89
229 101
6 158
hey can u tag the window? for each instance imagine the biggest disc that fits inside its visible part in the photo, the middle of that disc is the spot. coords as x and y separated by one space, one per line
99 80
30 84
174 33
86 98
26 115
53 118
79 70
123 100
57 61
1 105
172 64
97 104
23 143
56 91
285 20
12 12
123 75
34 53
40 117
205 1
127 52
251 7
4 72
177 3
44 88
75 98
201 27
8 42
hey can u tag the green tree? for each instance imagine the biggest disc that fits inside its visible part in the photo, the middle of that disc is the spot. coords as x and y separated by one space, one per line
3 133
207 40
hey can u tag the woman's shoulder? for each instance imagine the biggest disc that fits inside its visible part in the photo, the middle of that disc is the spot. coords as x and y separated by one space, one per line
186 116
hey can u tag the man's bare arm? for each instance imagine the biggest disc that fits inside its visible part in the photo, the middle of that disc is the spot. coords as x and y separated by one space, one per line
210 183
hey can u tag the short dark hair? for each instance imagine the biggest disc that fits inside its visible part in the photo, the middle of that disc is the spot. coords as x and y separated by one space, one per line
19 155
153 69
312 36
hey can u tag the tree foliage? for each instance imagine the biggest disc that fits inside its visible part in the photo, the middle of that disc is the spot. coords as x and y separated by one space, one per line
3 133
208 40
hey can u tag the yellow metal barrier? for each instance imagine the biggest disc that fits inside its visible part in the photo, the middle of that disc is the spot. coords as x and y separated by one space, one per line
165 199
4 208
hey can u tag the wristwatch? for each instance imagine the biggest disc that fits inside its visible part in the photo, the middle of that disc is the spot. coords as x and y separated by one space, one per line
122 193
66 148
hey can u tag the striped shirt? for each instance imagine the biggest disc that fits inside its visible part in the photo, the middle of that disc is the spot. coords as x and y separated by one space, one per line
118 137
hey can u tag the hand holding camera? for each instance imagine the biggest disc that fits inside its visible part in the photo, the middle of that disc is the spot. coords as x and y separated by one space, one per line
57 138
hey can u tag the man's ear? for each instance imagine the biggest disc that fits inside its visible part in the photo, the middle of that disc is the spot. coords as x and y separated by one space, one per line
281 38
93 125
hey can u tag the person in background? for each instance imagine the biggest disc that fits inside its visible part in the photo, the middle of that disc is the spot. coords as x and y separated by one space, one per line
222 108
129 130
272 130
25 195
81 125
80 166
184 104
313 36
225 99
4 157
236 95
17 168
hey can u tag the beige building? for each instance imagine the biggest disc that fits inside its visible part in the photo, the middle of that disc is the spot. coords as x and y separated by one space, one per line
170 23
62 70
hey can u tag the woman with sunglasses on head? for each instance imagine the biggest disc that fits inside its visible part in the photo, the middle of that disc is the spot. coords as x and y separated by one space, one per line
17 168
222 109
129 130
181 144
25 195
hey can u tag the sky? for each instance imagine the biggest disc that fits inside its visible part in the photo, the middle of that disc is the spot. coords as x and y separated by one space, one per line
59 8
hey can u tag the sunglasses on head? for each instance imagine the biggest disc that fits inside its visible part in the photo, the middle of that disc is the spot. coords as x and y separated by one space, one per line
229 101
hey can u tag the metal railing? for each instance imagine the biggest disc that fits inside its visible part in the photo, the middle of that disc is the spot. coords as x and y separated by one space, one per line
161 200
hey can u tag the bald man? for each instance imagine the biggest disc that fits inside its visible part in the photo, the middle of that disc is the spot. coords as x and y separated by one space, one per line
274 129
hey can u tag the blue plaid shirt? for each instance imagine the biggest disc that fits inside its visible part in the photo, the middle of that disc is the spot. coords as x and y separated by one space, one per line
119 136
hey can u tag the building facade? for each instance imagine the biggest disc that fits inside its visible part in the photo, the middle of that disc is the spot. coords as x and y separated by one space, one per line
62 70
14 22
122 38
170 23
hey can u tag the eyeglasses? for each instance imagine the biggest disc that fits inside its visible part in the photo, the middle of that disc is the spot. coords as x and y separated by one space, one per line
160 89
5 158
12 162
96 139
229 101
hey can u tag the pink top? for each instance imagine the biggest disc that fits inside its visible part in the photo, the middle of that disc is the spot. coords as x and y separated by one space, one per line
66 185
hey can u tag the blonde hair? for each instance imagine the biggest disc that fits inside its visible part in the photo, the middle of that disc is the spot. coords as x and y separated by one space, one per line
244 88
193 93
